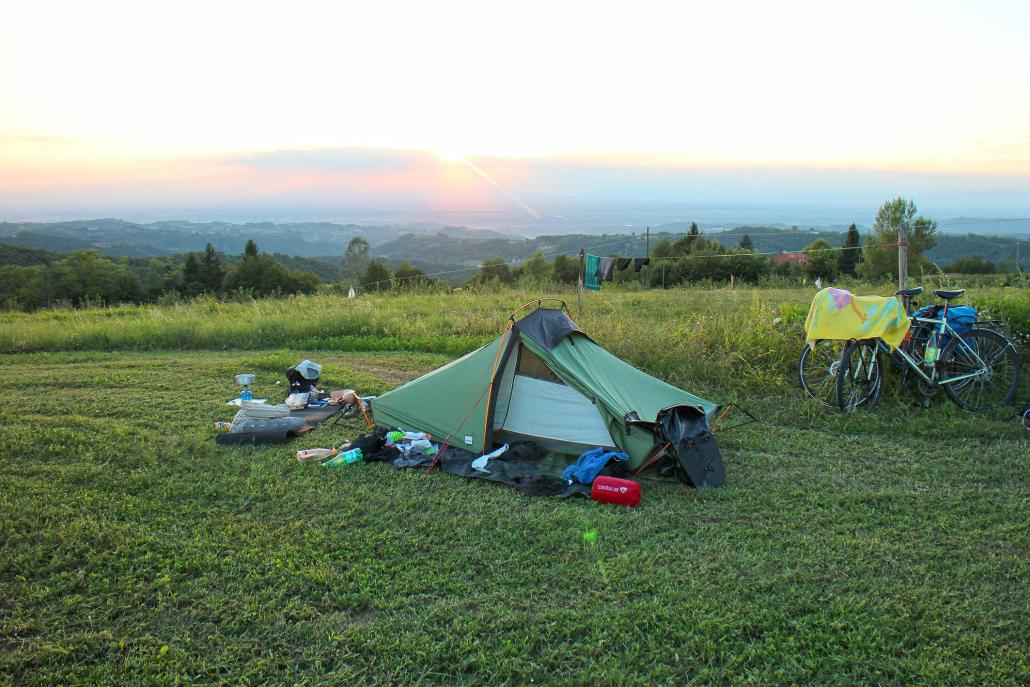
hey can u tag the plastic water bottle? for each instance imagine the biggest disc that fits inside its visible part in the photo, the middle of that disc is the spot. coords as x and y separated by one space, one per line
930 354
345 458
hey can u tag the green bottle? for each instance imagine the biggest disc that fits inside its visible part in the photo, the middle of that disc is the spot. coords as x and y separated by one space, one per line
346 458
930 354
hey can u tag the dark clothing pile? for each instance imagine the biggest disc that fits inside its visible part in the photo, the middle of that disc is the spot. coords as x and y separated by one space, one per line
525 465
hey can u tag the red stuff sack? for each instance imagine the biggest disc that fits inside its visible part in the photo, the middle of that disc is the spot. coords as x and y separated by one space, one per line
621 492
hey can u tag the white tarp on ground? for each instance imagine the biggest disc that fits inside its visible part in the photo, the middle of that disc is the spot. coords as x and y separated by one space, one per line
554 411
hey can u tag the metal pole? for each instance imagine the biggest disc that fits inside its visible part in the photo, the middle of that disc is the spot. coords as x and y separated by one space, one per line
579 292
903 260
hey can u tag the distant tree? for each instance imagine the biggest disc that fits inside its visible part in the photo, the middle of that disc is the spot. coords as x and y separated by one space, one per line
536 268
879 260
355 259
703 265
23 287
694 242
493 269
851 254
688 243
212 274
376 276
821 264
261 275
566 269
410 277
161 276
787 268
193 281
746 243
663 249
304 281
251 249
973 264
87 276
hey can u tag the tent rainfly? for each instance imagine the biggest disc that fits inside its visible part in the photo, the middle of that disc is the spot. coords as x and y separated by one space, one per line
544 380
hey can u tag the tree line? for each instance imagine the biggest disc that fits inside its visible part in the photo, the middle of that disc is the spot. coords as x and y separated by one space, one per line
87 277
695 258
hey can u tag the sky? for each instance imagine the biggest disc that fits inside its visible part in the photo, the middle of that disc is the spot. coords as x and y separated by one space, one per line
123 106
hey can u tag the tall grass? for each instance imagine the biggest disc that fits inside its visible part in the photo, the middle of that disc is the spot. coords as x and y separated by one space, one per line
716 338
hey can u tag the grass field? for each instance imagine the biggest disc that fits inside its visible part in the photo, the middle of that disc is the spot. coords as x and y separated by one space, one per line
882 548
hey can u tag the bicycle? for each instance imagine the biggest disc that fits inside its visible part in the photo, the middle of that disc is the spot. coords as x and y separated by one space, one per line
818 365
978 368
817 369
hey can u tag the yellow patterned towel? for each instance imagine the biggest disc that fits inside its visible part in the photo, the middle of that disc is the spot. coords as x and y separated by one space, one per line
837 314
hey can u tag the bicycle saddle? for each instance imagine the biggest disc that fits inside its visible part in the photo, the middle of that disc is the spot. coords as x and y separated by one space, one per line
909 293
948 295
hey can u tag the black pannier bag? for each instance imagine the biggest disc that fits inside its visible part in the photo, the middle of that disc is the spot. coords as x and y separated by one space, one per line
692 446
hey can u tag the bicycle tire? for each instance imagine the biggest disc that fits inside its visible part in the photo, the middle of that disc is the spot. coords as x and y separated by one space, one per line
998 387
859 376
817 370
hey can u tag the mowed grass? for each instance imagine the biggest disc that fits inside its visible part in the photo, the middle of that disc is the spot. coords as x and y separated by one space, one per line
883 548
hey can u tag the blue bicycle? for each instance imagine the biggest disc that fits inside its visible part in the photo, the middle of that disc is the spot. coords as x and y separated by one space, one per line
977 367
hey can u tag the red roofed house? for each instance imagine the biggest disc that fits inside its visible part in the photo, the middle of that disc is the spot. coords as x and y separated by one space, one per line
796 258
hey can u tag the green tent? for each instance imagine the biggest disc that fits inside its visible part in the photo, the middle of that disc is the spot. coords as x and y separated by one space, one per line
542 380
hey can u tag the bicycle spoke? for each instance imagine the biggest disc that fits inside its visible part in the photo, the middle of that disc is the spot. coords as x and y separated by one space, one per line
988 357
859 380
818 370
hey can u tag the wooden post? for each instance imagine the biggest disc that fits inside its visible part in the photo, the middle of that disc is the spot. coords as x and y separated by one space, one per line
579 293
902 259
647 254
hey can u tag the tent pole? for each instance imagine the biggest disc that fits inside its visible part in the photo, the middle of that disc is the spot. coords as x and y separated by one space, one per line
579 292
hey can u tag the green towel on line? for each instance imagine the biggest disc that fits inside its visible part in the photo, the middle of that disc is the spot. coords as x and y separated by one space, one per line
590 280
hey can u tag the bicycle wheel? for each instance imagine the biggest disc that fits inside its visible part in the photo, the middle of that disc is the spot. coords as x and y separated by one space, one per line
859 376
817 370
996 386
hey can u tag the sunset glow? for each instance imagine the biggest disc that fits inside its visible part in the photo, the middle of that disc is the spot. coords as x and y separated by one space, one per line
468 101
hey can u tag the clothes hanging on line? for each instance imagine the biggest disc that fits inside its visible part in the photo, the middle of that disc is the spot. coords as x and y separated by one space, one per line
605 269
590 280
598 269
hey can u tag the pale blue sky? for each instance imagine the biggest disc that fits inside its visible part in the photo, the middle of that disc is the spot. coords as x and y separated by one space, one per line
128 105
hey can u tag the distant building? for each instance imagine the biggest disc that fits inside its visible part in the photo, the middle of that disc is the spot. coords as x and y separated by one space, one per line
796 258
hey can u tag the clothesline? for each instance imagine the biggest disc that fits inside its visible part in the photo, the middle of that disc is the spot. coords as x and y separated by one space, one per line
611 243
598 269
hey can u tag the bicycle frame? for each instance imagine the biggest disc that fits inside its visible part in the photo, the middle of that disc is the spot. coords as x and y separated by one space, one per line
916 365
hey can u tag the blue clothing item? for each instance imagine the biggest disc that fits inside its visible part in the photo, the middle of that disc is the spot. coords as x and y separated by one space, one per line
589 464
